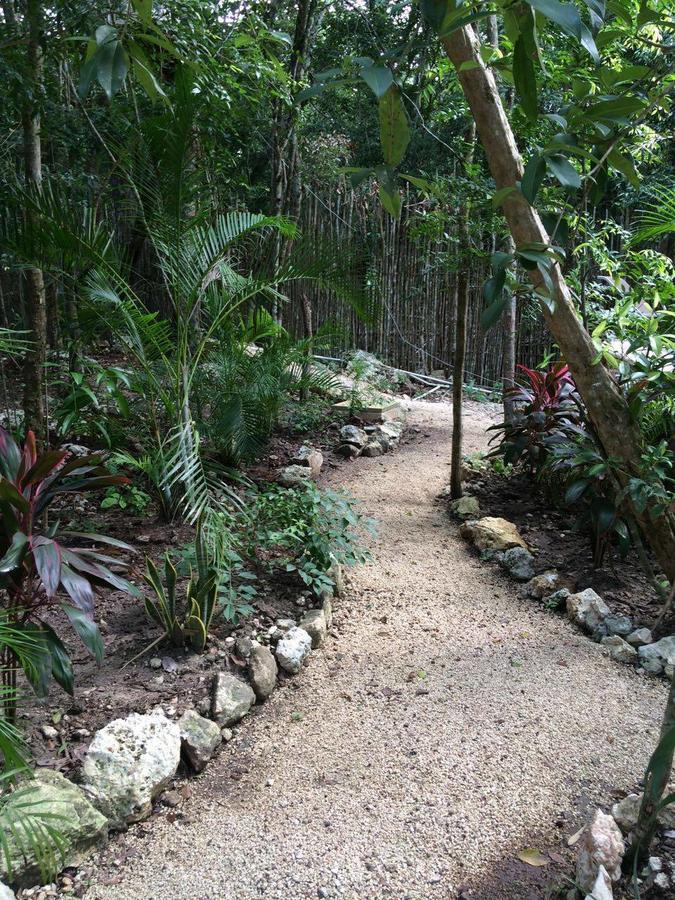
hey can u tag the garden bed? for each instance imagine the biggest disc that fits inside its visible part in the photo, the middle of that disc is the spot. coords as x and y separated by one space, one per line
557 543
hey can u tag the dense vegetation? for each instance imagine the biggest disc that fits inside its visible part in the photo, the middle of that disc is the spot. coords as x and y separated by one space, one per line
198 196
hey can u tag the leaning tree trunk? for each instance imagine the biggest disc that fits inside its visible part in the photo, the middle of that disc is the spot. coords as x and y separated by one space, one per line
36 310
606 406
463 287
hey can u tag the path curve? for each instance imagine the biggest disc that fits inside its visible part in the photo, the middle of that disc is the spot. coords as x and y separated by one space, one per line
446 725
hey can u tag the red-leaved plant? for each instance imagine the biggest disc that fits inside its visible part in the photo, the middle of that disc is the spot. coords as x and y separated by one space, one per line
544 405
37 570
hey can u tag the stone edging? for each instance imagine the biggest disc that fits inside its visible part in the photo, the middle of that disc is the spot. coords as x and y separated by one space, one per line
131 761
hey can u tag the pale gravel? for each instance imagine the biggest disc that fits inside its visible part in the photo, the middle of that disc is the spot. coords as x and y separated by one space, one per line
405 794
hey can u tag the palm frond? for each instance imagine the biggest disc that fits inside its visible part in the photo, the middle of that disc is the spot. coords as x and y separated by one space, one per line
658 218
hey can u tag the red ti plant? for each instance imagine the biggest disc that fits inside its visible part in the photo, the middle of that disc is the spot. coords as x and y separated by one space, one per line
544 405
37 571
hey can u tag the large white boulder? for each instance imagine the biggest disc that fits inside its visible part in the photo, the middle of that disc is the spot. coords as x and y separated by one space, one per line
129 762
53 801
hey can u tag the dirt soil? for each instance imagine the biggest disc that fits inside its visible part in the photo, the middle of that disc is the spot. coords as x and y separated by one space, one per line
447 725
558 543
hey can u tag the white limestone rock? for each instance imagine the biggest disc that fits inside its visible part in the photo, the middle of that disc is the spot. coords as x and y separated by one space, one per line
129 762
293 649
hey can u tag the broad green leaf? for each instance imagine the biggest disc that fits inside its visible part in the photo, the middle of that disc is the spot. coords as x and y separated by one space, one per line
532 177
388 191
494 286
625 165
533 857
394 129
563 170
616 109
422 183
112 64
525 79
87 631
378 78
492 314
47 556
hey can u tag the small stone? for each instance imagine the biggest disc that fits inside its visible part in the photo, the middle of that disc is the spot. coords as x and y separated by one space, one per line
626 812
243 646
587 609
619 650
556 600
655 864
655 657
519 563
640 637
310 457
336 574
171 799
231 698
199 738
621 625
294 476
491 533
467 507
262 671
600 845
203 706
293 649
544 585
350 434
169 664
661 881
226 734
351 451
286 624
155 663
49 732
314 623
372 449
602 889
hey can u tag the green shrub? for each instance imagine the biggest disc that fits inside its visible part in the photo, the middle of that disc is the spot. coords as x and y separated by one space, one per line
306 530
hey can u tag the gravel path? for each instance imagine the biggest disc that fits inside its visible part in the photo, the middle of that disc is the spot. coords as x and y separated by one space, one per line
447 725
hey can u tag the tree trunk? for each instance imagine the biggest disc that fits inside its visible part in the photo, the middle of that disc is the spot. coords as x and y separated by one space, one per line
463 281
509 365
606 406
36 311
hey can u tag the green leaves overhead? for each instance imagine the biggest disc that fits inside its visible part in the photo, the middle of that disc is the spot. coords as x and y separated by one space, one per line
566 15
394 129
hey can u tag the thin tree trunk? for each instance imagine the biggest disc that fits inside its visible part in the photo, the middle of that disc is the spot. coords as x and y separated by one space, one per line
463 282
36 311
509 364
606 406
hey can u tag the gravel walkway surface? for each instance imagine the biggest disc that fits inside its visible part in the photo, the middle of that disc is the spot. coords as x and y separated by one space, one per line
446 725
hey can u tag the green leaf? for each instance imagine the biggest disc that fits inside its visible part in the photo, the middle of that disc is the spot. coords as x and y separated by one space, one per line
494 286
574 491
532 177
422 183
388 191
394 129
525 79
112 64
564 14
563 170
87 630
15 554
616 110
492 314
378 78
625 165
47 556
